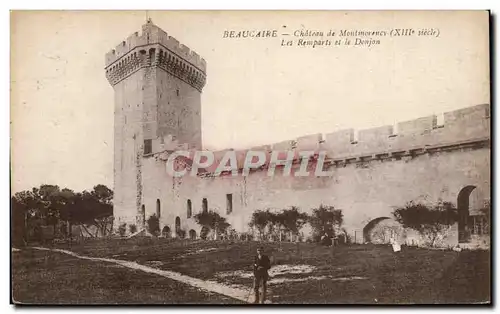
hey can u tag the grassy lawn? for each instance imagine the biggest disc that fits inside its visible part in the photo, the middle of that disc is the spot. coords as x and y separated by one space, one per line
40 277
413 276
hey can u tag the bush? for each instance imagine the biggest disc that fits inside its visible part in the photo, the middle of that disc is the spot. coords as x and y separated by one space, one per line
132 228
281 226
246 236
432 222
122 229
292 220
232 234
211 221
153 224
262 220
204 233
181 234
325 220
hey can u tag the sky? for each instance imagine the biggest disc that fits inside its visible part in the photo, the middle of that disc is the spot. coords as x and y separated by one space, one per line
257 92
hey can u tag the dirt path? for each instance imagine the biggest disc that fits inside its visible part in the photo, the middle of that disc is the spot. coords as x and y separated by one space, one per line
229 291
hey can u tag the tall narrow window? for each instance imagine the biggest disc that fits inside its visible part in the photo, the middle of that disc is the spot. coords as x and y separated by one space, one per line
189 209
229 203
177 225
142 218
204 205
158 208
148 146
177 92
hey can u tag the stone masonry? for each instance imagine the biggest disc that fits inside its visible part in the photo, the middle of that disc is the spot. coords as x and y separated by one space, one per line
158 84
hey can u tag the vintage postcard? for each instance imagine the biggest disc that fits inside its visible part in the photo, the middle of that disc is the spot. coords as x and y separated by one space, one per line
250 157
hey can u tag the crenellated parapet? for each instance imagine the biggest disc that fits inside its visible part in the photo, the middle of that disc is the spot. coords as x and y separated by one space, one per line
467 126
154 48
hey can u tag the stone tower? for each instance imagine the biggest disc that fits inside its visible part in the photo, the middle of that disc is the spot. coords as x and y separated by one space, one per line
157 83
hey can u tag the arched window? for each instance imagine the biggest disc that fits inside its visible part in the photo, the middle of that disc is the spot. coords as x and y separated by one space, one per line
229 203
204 205
177 224
189 209
143 215
158 208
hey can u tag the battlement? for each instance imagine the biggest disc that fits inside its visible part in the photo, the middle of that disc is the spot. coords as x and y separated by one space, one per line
462 127
152 34
153 47
467 124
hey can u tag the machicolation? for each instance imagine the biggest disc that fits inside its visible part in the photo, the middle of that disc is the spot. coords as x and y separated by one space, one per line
155 48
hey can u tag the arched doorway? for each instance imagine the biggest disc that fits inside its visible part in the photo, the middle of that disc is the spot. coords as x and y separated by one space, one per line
463 203
166 232
177 225
158 208
380 230
192 234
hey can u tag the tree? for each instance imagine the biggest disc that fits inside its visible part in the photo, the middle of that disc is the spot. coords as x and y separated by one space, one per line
24 206
67 200
293 220
103 194
25 201
325 219
48 205
430 221
212 221
89 209
103 219
18 223
50 199
274 225
132 228
153 224
122 229
33 208
260 220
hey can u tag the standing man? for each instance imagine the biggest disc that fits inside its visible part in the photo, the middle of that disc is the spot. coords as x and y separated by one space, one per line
261 265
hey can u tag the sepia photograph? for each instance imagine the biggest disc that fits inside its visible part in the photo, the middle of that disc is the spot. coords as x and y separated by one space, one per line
250 157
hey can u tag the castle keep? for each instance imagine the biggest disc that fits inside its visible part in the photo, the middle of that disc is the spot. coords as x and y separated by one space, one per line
158 84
